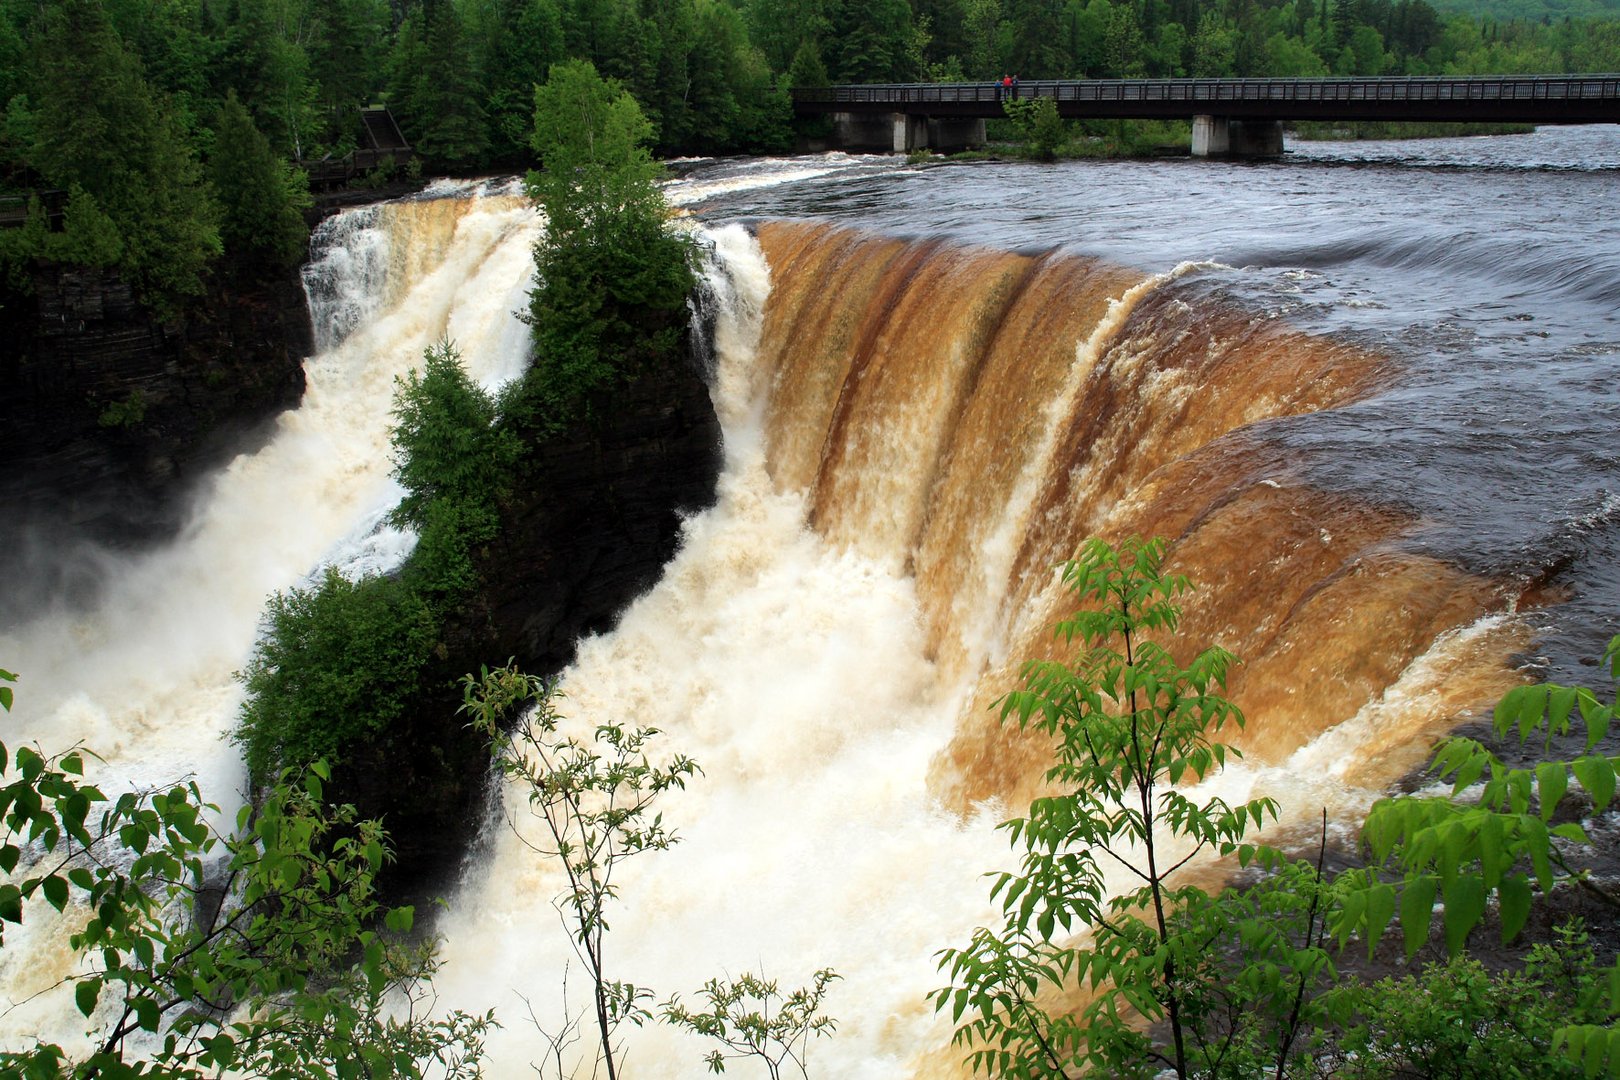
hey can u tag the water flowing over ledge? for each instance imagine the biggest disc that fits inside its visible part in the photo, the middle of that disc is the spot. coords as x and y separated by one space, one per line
916 430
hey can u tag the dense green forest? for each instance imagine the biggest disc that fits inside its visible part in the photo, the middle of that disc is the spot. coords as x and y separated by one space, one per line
1532 10
169 125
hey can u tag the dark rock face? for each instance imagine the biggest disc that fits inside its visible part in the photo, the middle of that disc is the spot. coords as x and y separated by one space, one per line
108 416
592 521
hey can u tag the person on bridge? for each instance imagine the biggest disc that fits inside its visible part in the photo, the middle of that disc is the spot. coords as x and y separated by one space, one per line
1004 88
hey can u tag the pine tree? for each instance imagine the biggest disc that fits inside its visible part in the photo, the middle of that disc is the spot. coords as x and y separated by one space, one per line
261 197
437 88
613 277
99 125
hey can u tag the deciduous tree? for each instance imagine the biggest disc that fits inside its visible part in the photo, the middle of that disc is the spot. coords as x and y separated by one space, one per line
1129 726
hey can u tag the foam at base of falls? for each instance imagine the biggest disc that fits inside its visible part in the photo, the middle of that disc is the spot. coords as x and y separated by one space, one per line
145 679
835 699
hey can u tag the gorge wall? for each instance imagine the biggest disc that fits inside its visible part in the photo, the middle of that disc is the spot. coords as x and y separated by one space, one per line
594 515
108 414
590 527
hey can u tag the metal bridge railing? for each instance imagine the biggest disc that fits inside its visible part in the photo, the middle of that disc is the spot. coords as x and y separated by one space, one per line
1425 88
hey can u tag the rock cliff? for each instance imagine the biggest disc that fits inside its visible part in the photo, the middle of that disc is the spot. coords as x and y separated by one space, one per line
108 415
595 515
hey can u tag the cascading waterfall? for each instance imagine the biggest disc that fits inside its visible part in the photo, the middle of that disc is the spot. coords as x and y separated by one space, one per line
908 454
916 431
145 678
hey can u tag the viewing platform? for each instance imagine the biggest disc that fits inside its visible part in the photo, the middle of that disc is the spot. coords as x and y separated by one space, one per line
1237 117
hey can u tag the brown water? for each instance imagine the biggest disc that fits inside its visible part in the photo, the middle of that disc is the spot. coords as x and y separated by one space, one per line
1374 417
969 416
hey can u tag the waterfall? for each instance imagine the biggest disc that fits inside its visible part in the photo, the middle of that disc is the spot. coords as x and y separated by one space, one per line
915 433
144 679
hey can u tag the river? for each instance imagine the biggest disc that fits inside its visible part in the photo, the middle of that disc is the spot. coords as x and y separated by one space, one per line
1368 391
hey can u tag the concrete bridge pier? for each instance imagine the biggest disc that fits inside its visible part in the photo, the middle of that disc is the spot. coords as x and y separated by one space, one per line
1220 136
880 133
901 133
949 136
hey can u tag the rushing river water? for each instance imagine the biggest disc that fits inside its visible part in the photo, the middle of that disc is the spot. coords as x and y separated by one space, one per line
1369 391
1487 268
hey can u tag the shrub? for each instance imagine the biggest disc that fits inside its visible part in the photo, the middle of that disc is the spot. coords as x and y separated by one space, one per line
337 663
1456 1019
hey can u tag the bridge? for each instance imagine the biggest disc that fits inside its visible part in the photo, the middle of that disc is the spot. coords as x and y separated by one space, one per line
1236 117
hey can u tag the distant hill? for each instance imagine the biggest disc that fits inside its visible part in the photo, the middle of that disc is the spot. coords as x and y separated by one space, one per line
1531 10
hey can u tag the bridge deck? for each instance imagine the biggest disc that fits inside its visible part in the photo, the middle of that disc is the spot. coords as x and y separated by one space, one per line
1538 99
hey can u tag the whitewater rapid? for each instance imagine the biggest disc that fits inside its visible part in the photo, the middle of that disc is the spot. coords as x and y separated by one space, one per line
797 671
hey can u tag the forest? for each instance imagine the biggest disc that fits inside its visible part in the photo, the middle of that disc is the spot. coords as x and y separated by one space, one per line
170 131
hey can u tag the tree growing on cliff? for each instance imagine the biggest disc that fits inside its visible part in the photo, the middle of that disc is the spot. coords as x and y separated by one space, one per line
1129 724
261 197
454 459
342 660
98 124
339 661
613 277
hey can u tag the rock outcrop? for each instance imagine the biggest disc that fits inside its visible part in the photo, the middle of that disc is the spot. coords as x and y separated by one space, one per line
593 519
108 414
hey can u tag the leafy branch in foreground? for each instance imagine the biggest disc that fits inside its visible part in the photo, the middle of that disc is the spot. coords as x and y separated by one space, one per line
1501 841
751 1019
1129 724
255 952
595 799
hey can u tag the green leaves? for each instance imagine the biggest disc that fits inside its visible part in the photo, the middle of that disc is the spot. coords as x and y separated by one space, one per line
1494 836
594 798
751 1018
86 993
339 662
1595 1048
1128 725
298 894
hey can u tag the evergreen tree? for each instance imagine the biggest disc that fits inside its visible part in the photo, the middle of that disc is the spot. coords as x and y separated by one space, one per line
613 278
100 126
261 197
514 44
945 20
807 69
782 27
436 89
871 42
1037 45
175 50
264 57
346 69
982 28
664 79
